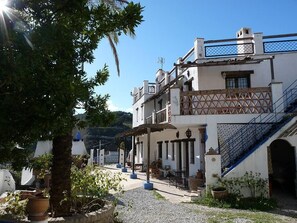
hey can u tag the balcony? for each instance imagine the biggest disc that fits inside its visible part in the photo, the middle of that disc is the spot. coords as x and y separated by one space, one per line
226 101
161 116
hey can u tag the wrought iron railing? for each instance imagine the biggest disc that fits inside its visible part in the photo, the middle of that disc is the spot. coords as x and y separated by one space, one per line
241 140
229 49
226 101
161 116
280 46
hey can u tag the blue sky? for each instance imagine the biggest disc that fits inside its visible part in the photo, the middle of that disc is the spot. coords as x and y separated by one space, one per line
169 30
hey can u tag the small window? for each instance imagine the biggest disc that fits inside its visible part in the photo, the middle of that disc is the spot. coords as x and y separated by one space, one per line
141 112
173 150
137 114
192 153
237 82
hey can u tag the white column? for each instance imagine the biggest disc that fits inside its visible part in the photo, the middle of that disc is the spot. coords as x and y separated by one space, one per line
199 48
258 43
122 157
145 87
212 167
175 101
101 159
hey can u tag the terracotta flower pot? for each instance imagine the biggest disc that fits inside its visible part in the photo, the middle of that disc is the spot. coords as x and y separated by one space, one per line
219 193
37 208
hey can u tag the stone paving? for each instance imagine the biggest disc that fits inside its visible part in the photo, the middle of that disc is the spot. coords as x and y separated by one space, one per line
170 192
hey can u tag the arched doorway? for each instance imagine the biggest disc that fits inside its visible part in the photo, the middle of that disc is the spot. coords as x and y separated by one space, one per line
282 167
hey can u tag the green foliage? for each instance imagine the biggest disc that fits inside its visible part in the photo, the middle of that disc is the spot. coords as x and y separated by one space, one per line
157 195
43 79
257 186
233 201
41 164
89 187
15 208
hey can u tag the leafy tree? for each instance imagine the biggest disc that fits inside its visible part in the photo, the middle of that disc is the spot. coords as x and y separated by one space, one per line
42 78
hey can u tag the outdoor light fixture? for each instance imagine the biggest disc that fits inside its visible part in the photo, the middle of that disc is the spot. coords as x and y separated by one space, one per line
188 133
177 134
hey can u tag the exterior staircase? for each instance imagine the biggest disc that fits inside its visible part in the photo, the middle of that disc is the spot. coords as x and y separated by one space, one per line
242 142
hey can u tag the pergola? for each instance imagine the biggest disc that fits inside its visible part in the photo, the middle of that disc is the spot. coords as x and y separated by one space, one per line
142 130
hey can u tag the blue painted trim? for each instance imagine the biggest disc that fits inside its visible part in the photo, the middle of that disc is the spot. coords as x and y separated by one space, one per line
124 170
119 165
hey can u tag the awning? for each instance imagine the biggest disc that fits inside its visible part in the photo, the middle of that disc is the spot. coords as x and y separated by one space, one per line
143 129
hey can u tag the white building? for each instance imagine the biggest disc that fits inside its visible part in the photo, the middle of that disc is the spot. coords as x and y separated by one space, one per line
237 96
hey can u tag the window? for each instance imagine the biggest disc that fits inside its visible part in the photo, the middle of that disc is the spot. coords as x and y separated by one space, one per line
160 150
141 112
237 79
160 104
173 150
237 82
192 153
166 150
137 114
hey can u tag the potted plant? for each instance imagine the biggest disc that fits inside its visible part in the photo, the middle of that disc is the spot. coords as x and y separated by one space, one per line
41 166
37 207
219 192
155 168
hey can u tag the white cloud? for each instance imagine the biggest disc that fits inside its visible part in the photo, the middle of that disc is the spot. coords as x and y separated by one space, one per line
113 107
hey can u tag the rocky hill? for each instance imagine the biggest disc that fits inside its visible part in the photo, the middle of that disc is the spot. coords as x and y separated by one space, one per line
104 137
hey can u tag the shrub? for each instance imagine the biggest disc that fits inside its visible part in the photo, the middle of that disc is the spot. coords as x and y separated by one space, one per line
90 187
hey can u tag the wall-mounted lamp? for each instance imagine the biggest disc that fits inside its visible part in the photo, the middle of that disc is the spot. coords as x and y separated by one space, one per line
188 133
223 75
177 134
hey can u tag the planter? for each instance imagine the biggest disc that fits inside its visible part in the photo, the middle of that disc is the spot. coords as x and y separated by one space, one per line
193 183
37 208
219 193
199 174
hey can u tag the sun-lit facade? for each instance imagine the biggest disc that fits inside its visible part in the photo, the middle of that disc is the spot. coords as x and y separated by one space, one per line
219 88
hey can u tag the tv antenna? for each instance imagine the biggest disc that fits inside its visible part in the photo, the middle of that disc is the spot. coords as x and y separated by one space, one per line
161 60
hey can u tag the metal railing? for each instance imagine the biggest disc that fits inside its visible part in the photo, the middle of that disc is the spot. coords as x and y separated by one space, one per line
243 140
229 49
280 46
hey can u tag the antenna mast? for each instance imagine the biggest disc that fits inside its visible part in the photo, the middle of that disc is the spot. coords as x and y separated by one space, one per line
161 60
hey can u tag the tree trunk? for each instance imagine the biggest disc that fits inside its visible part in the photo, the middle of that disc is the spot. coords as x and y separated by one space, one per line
61 169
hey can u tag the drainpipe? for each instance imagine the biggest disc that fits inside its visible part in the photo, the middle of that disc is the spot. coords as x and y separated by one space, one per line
272 68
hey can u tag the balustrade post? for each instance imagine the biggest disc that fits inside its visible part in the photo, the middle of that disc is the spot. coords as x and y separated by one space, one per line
154 117
145 87
167 78
199 51
258 43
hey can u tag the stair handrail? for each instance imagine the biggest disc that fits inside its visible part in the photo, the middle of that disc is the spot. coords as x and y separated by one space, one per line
264 120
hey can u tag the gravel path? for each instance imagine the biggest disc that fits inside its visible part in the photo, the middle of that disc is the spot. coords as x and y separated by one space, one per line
142 206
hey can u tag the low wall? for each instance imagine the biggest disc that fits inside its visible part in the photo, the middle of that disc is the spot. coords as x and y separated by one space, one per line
104 215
